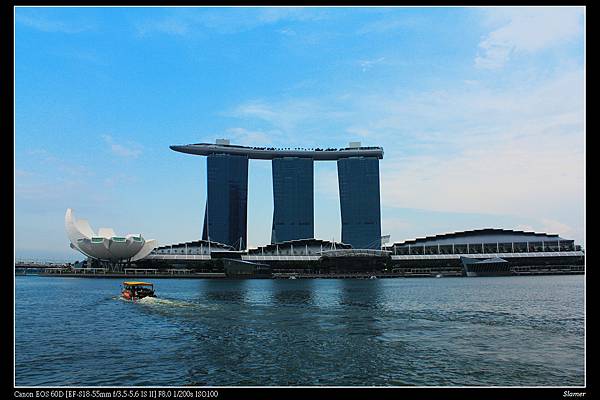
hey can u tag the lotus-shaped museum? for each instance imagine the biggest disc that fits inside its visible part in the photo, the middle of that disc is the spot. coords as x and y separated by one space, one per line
105 245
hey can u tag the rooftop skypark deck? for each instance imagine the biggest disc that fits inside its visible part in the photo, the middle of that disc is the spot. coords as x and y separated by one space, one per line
269 153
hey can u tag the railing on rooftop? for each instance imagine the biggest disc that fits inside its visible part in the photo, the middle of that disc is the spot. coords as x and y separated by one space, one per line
289 148
264 153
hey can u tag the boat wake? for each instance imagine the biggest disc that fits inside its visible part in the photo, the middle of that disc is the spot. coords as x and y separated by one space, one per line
164 302
171 303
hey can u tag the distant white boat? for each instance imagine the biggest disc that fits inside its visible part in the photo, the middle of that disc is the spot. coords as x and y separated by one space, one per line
439 275
372 277
292 277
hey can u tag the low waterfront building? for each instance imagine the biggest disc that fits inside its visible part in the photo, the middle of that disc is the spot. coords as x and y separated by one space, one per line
484 241
246 269
192 248
301 247
514 252
523 251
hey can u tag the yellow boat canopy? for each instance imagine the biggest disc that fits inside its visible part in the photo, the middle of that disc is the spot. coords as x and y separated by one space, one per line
138 284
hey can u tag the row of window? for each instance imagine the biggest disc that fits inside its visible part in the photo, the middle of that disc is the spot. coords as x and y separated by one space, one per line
302 251
517 247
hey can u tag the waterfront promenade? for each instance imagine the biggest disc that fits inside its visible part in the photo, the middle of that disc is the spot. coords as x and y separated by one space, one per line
56 270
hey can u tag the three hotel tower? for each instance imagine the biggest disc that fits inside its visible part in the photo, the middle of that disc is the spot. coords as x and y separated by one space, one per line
225 215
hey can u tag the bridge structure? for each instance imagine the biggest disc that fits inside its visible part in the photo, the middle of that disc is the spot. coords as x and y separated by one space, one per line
225 215
38 265
35 267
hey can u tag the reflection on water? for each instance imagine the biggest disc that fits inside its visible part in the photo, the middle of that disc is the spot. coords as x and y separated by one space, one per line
486 331
230 291
360 294
292 294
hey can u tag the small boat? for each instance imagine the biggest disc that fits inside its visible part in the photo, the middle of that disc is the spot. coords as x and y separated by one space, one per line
137 290
372 277
439 276
292 277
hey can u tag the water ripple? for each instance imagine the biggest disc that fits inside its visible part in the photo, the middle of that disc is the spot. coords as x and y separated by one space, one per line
395 332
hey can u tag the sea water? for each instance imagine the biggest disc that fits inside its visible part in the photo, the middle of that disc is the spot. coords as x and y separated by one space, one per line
501 331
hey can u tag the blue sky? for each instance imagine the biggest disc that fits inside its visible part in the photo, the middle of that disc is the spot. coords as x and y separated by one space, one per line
480 112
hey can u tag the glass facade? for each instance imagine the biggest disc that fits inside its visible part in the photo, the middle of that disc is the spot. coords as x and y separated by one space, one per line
227 200
483 247
358 179
293 205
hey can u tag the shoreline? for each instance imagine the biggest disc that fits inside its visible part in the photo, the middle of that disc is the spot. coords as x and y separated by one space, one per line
218 275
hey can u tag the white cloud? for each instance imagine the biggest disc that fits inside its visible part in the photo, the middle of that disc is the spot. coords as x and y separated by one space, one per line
519 154
66 169
169 25
132 150
290 118
256 109
391 23
187 21
250 138
287 32
526 228
277 14
526 30
514 151
361 132
326 181
522 177
390 224
552 226
45 24
368 64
